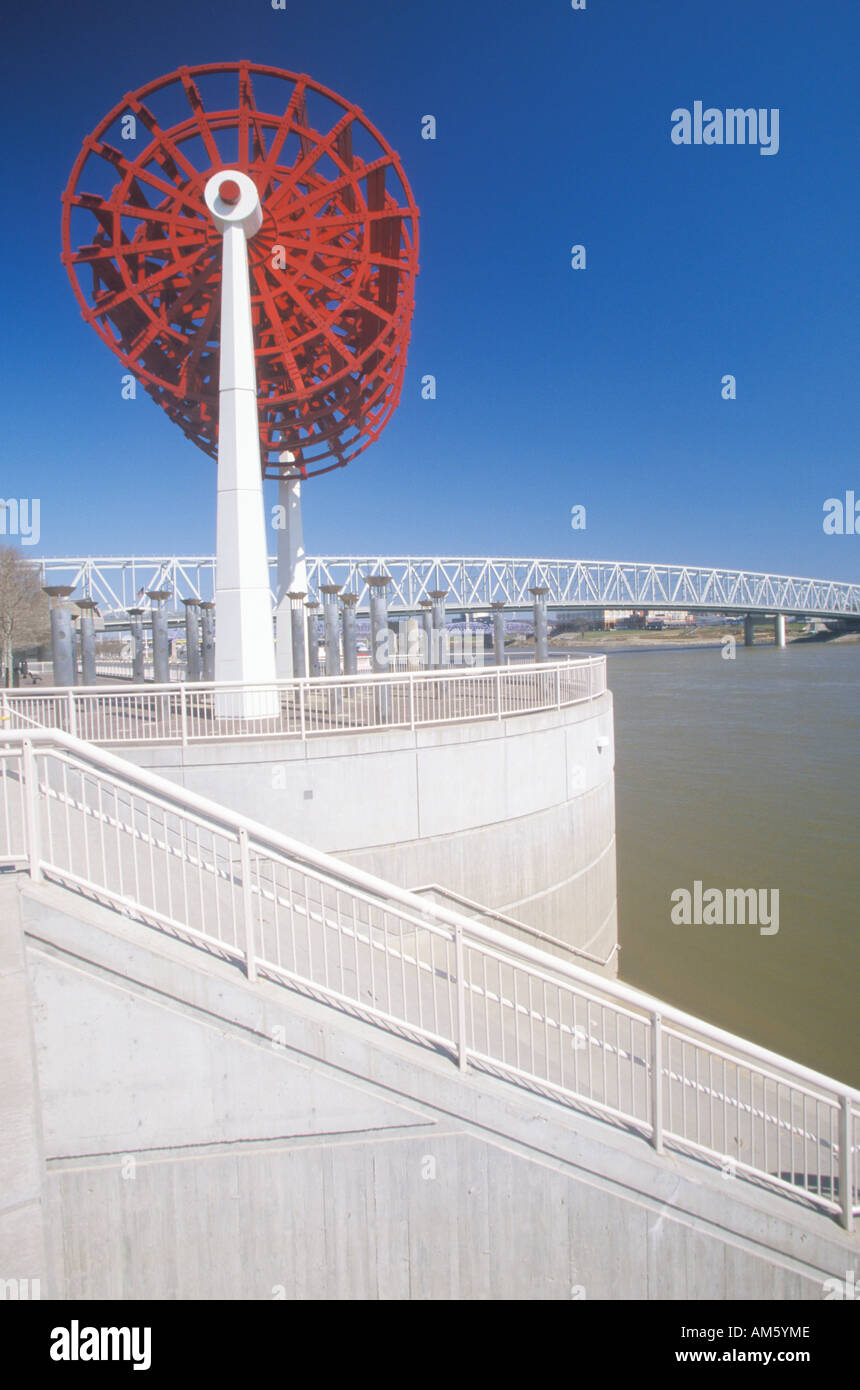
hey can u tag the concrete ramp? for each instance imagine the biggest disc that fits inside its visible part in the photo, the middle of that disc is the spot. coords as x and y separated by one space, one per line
181 1133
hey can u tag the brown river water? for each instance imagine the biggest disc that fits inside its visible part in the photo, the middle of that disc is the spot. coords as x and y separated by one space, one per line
745 774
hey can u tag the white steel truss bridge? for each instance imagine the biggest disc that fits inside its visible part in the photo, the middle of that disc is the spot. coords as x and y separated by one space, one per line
119 582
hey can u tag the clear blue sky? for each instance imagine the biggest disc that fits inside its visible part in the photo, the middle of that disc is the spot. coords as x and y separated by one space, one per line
555 386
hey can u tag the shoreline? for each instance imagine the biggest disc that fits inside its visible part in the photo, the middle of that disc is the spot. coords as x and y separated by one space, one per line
598 644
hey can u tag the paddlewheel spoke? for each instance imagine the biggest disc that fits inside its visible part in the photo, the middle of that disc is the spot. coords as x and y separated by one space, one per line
332 268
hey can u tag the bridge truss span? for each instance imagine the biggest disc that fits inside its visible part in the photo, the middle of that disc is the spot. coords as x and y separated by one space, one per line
471 585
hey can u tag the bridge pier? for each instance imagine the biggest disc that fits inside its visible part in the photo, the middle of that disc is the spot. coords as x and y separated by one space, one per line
779 629
749 630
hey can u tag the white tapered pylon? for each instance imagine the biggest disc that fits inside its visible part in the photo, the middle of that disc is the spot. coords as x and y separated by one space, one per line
244 639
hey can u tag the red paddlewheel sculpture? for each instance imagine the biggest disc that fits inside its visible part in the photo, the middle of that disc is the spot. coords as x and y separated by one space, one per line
332 268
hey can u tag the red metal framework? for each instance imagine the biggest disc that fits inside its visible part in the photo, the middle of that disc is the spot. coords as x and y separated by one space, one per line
332 268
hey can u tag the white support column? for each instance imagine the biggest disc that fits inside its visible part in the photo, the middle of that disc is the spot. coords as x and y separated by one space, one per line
779 629
244 642
292 567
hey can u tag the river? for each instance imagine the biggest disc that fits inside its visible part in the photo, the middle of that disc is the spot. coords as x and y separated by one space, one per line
745 774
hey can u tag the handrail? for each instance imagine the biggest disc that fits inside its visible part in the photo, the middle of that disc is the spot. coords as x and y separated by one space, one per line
288 682
91 820
304 707
517 925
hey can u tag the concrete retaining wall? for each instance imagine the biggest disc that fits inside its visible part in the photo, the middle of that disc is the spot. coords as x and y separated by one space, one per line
516 814
206 1138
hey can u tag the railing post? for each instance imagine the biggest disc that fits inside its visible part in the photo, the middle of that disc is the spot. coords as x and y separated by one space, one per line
846 1162
302 708
73 715
247 904
183 714
460 966
31 811
412 701
498 693
558 687
657 1081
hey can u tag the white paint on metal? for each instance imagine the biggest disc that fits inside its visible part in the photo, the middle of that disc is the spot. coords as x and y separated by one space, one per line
292 577
404 961
244 645
475 583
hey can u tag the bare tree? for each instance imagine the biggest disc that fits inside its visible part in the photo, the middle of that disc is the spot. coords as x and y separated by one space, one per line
25 617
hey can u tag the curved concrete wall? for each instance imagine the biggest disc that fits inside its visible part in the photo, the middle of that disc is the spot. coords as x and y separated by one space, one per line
516 814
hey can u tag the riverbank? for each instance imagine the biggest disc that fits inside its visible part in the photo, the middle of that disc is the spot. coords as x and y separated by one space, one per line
677 639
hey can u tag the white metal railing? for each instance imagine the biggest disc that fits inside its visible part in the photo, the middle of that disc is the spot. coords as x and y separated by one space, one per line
81 816
193 713
122 669
116 668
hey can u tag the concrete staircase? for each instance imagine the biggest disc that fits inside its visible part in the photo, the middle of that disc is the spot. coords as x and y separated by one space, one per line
172 1130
